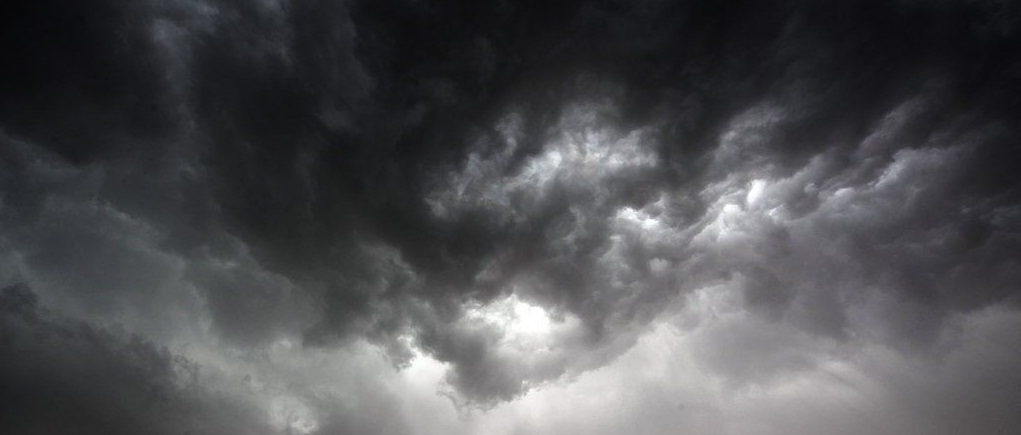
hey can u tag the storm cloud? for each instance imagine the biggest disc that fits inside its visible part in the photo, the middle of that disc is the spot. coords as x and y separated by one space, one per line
359 217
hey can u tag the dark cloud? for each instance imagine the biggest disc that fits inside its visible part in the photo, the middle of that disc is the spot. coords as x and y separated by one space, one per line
65 376
518 190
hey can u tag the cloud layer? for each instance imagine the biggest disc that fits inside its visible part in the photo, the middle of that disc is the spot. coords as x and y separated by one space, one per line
512 217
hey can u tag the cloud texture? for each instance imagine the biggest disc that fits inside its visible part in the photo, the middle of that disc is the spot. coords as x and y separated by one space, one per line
388 217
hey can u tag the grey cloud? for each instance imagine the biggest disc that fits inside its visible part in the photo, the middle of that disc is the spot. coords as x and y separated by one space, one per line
507 210
248 304
70 377
331 172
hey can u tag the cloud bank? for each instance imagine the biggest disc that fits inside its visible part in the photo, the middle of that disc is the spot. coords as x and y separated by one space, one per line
513 217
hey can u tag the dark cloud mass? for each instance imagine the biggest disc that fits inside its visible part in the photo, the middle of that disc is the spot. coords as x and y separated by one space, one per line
403 216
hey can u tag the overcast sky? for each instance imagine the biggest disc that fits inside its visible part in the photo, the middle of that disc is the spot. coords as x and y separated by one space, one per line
510 217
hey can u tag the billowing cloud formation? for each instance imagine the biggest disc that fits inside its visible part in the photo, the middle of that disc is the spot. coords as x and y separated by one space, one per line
312 216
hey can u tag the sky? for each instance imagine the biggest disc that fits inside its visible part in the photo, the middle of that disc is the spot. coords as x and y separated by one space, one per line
510 217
